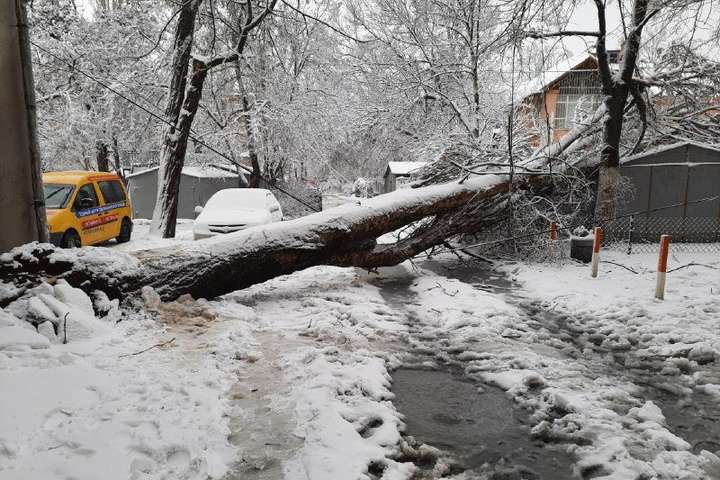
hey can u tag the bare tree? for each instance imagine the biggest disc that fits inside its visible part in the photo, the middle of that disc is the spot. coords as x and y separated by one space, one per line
102 156
172 154
617 86
620 85
186 89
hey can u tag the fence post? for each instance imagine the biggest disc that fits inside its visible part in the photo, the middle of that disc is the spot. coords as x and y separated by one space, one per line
662 267
553 238
596 251
630 234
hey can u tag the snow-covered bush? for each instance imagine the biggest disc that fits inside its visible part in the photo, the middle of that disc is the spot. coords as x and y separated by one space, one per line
362 188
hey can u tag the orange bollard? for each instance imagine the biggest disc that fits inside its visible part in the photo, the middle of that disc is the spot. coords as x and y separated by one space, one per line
553 238
596 251
662 267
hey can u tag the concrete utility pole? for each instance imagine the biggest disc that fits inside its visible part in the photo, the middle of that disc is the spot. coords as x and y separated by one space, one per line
22 206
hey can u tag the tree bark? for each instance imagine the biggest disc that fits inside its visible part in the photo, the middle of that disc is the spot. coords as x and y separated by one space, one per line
616 87
608 180
102 155
172 153
115 156
246 133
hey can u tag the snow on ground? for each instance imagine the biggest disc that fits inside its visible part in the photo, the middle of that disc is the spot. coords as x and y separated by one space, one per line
664 346
142 240
293 378
577 352
340 382
96 407
579 398
622 302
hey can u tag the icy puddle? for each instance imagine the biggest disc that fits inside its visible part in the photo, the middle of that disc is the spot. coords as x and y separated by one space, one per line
483 431
694 417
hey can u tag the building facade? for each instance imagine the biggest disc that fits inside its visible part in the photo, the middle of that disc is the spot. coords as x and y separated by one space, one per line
567 94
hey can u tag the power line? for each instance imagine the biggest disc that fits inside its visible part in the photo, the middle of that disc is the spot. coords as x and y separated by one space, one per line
165 121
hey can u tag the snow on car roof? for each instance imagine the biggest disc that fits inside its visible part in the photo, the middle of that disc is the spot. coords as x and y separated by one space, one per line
231 196
405 168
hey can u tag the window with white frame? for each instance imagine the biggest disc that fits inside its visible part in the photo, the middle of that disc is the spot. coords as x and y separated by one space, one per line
580 95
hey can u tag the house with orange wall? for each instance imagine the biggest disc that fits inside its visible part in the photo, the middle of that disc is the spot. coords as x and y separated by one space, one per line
561 97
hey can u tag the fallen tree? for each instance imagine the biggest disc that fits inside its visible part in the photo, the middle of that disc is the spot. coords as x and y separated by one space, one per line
347 235
342 236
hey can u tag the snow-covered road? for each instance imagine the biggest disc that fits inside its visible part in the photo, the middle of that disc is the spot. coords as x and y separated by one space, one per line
293 378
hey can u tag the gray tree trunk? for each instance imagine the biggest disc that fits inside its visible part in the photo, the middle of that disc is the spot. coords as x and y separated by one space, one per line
246 133
616 87
102 155
172 153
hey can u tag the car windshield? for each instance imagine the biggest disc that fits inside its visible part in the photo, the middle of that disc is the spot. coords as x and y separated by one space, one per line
57 195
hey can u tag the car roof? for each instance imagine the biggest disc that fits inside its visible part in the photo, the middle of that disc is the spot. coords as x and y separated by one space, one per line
241 192
78 176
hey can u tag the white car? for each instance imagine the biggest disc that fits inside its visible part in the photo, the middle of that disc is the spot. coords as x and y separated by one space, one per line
235 209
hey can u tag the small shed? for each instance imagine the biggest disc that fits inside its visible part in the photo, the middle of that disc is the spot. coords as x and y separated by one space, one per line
398 173
674 191
676 174
197 185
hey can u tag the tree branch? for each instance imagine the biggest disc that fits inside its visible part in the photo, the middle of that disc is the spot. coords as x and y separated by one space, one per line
562 33
601 52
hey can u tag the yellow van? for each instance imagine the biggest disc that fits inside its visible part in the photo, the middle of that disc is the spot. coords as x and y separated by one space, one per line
85 208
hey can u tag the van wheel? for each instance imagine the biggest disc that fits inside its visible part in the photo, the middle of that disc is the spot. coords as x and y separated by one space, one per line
125 231
71 239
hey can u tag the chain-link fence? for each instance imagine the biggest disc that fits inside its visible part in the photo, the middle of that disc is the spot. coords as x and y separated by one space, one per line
628 234
532 237
641 234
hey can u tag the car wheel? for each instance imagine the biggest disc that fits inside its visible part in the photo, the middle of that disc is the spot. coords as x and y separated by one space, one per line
71 239
125 231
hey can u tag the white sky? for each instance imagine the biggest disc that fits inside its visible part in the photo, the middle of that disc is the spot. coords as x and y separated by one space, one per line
585 18
683 21
85 7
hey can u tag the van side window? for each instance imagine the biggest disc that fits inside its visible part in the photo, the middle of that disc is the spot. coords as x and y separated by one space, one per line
86 198
112 191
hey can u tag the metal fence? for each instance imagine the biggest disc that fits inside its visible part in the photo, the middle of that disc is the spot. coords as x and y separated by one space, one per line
641 234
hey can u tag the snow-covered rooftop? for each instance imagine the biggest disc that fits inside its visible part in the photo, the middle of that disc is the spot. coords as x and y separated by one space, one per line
202 171
404 168
551 75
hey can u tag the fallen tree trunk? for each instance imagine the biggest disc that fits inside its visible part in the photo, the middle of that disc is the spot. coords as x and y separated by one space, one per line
342 236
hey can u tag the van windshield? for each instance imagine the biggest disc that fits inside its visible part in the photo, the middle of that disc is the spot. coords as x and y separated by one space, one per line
57 195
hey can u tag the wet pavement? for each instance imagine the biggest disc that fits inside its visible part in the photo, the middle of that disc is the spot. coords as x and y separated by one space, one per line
694 417
481 428
485 431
